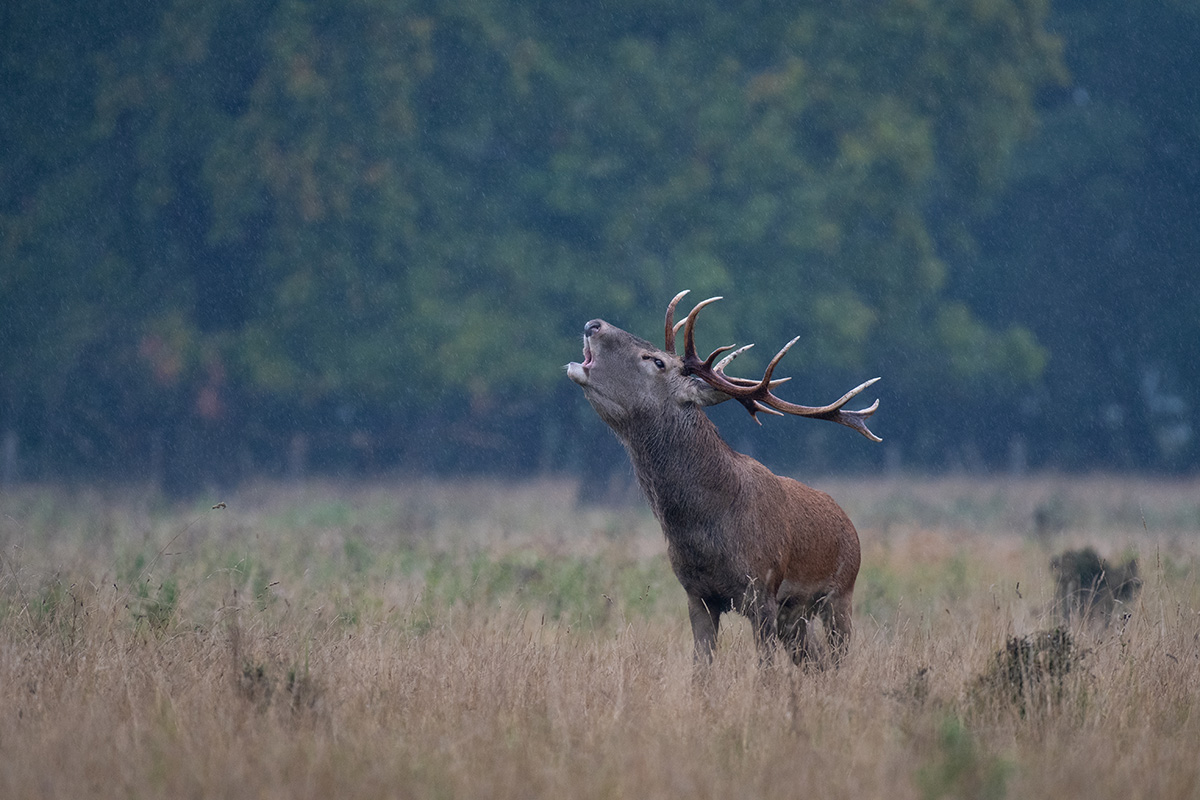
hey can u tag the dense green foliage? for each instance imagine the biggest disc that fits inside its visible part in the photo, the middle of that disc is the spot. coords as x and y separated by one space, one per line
235 235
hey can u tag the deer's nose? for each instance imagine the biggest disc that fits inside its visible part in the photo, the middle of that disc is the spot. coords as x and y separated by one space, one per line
592 327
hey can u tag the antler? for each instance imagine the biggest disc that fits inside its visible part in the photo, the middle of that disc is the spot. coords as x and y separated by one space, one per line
756 395
671 326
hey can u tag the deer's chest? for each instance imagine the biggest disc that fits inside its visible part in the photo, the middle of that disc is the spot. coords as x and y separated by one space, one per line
706 566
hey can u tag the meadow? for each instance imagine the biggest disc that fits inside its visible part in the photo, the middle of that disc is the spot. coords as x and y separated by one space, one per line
419 639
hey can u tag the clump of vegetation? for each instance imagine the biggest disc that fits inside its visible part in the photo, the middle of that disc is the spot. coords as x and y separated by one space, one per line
1092 589
264 682
254 685
1030 672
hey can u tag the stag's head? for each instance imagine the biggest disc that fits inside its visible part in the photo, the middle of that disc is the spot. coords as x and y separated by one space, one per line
624 376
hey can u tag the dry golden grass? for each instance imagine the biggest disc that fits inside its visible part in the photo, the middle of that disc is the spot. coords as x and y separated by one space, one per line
483 640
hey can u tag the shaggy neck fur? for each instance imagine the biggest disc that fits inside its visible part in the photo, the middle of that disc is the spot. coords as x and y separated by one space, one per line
685 468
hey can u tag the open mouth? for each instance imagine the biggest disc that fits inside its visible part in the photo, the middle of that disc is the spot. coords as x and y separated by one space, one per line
579 372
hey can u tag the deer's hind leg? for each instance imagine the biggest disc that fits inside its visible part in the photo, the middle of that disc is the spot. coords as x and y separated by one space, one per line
763 613
792 625
835 614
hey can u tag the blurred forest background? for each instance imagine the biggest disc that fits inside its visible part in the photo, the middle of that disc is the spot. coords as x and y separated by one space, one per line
271 237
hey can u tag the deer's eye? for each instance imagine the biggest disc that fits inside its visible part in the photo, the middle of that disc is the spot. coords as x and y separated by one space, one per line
658 362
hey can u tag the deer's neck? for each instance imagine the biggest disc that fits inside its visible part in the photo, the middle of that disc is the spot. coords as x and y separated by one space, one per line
685 468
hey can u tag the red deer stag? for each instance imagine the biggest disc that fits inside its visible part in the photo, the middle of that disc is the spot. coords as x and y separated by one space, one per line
739 537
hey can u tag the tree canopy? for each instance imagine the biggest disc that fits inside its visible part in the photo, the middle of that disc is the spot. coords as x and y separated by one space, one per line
371 231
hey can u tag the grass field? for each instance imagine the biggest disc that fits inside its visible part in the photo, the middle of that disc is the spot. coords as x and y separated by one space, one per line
429 640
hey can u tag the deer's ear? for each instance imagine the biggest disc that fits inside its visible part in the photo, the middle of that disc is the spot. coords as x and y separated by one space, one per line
700 393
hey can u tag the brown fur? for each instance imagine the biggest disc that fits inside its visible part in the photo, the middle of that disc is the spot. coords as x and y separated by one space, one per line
739 537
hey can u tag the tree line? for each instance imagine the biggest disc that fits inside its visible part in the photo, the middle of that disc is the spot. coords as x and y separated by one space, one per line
277 235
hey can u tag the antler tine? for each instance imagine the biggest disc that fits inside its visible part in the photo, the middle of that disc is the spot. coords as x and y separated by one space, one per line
689 339
748 383
856 420
713 355
810 411
724 362
671 326
766 381
832 412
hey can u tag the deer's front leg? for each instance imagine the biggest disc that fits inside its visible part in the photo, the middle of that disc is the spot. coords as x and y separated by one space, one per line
706 620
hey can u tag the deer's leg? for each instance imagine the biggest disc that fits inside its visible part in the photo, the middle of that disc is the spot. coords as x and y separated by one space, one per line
763 613
706 620
793 628
835 613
